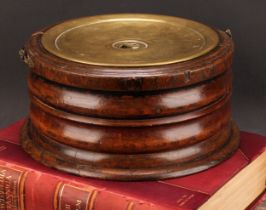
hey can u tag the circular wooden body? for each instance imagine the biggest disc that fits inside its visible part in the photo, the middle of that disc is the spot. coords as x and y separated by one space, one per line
130 123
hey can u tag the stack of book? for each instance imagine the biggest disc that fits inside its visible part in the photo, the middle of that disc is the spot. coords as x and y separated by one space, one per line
232 185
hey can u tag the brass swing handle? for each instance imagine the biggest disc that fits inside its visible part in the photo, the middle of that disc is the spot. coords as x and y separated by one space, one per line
228 32
25 57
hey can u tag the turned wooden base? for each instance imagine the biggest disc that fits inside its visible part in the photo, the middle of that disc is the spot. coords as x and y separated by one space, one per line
164 165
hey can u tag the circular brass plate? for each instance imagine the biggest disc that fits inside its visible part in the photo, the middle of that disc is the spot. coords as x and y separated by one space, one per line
129 40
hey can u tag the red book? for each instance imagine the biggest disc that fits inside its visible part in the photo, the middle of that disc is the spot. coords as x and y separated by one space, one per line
28 185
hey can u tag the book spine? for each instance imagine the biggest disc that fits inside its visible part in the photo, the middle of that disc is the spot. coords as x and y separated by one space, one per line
27 189
12 183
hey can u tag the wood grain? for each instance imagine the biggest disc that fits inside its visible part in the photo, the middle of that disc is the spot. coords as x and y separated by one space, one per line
130 123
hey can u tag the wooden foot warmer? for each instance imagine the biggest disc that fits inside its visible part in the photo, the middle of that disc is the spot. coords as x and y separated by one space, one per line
130 97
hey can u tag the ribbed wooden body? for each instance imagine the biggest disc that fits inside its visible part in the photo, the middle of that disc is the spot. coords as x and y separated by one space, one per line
128 123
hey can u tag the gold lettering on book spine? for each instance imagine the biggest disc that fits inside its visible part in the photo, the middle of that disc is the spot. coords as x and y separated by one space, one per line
2 192
12 188
85 202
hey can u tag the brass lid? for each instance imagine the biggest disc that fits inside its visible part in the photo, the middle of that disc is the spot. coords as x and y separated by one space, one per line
129 40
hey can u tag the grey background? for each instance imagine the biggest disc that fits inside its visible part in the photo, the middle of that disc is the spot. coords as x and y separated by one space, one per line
245 18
